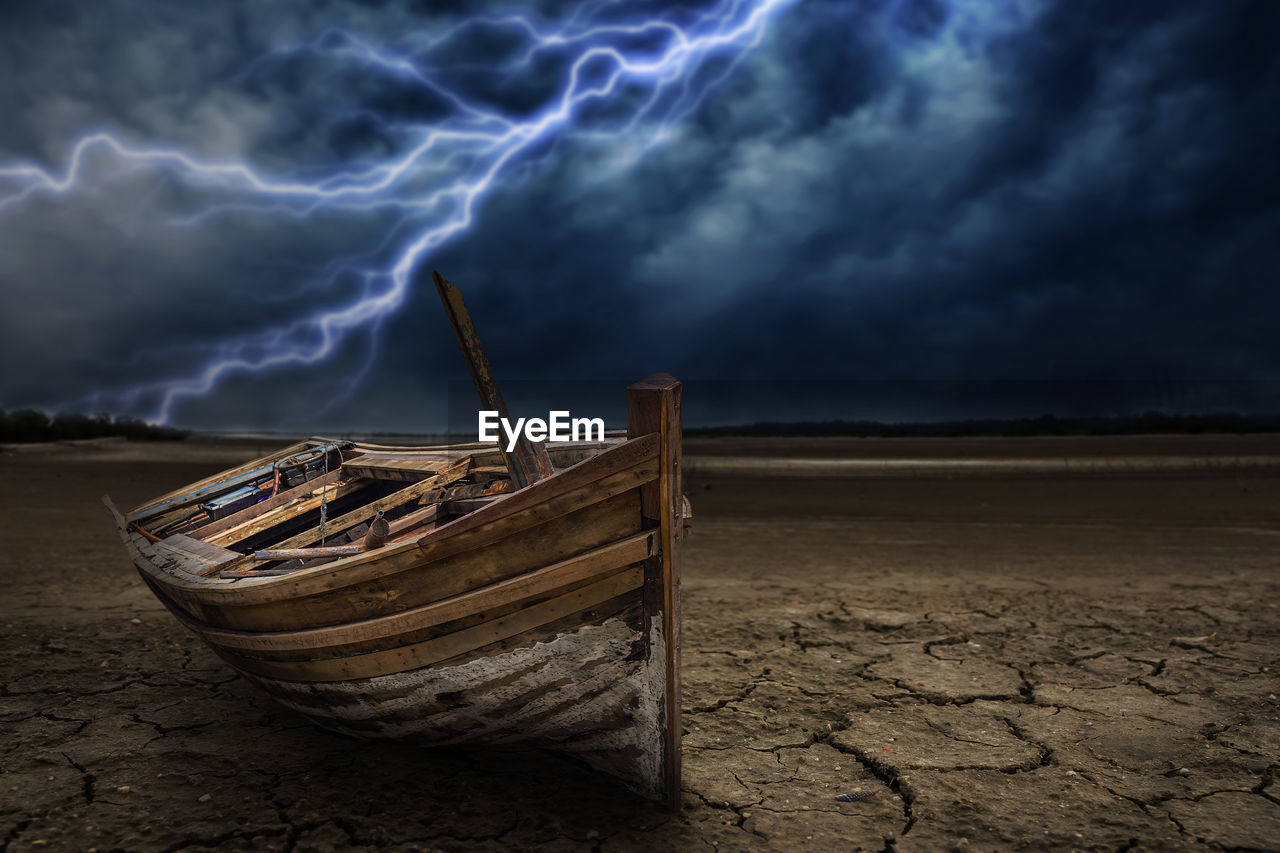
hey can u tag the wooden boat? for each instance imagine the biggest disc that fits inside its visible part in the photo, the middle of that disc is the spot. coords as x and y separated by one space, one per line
490 610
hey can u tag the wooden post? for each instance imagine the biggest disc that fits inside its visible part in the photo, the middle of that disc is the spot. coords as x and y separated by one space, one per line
653 405
529 462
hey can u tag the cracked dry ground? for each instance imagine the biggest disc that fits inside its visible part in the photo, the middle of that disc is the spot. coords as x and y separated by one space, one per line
1006 663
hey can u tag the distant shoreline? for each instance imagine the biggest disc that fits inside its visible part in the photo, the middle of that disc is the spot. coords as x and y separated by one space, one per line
1148 423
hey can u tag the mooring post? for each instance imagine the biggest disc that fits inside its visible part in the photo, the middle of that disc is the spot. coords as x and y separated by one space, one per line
653 405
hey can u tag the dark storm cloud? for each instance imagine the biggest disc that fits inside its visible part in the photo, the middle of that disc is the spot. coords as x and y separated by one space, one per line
882 191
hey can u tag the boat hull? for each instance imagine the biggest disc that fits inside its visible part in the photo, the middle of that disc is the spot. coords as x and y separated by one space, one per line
548 617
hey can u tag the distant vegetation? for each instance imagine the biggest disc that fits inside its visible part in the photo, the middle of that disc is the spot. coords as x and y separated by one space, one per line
30 425
1144 424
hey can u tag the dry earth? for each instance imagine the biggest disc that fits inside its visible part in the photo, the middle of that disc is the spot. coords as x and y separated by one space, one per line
1003 658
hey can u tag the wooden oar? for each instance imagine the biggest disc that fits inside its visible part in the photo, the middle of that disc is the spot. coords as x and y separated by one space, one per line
529 461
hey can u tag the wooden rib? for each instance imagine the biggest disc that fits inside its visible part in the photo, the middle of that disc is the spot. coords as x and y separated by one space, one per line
630 463
452 474
258 522
608 558
303 490
441 648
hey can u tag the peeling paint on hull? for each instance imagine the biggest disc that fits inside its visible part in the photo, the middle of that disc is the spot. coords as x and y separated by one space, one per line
592 692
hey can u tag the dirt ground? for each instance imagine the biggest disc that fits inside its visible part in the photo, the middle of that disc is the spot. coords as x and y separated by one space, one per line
999 656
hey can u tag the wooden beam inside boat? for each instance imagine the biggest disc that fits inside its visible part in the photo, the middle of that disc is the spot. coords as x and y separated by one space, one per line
257 523
471 490
399 498
410 467
529 461
299 492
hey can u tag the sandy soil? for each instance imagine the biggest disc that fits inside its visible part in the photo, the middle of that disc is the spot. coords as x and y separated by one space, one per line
1079 659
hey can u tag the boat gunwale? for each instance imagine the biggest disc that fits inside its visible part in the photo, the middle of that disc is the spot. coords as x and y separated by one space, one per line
612 439
638 546
309 581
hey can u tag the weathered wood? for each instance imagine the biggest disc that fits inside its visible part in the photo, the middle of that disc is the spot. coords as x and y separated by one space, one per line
488 455
409 493
301 492
562 564
229 574
415 519
629 464
197 551
654 404
547 580
410 467
176 498
471 490
631 459
442 648
554 690
272 554
259 471
528 462
197 495
263 521
488 558
466 505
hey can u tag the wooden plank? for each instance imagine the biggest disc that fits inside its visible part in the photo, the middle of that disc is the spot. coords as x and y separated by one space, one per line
462 507
604 560
201 494
144 511
449 646
528 462
655 404
421 582
232 574
625 607
408 467
273 554
471 490
452 474
266 520
205 531
629 457
210 555
417 518
632 462
488 455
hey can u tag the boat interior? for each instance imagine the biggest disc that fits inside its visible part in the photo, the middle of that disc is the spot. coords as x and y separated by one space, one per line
321 500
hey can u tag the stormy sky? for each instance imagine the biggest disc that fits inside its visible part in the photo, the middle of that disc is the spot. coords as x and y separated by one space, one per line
891 209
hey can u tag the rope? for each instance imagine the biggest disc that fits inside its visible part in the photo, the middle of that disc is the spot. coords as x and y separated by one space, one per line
324 498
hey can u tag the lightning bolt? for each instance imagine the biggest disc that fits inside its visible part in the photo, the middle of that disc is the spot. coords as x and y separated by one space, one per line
624 81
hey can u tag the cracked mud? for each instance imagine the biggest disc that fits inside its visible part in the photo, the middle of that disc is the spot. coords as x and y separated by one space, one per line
994 662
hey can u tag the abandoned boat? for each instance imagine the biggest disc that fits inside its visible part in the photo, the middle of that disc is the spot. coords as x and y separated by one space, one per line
449 595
